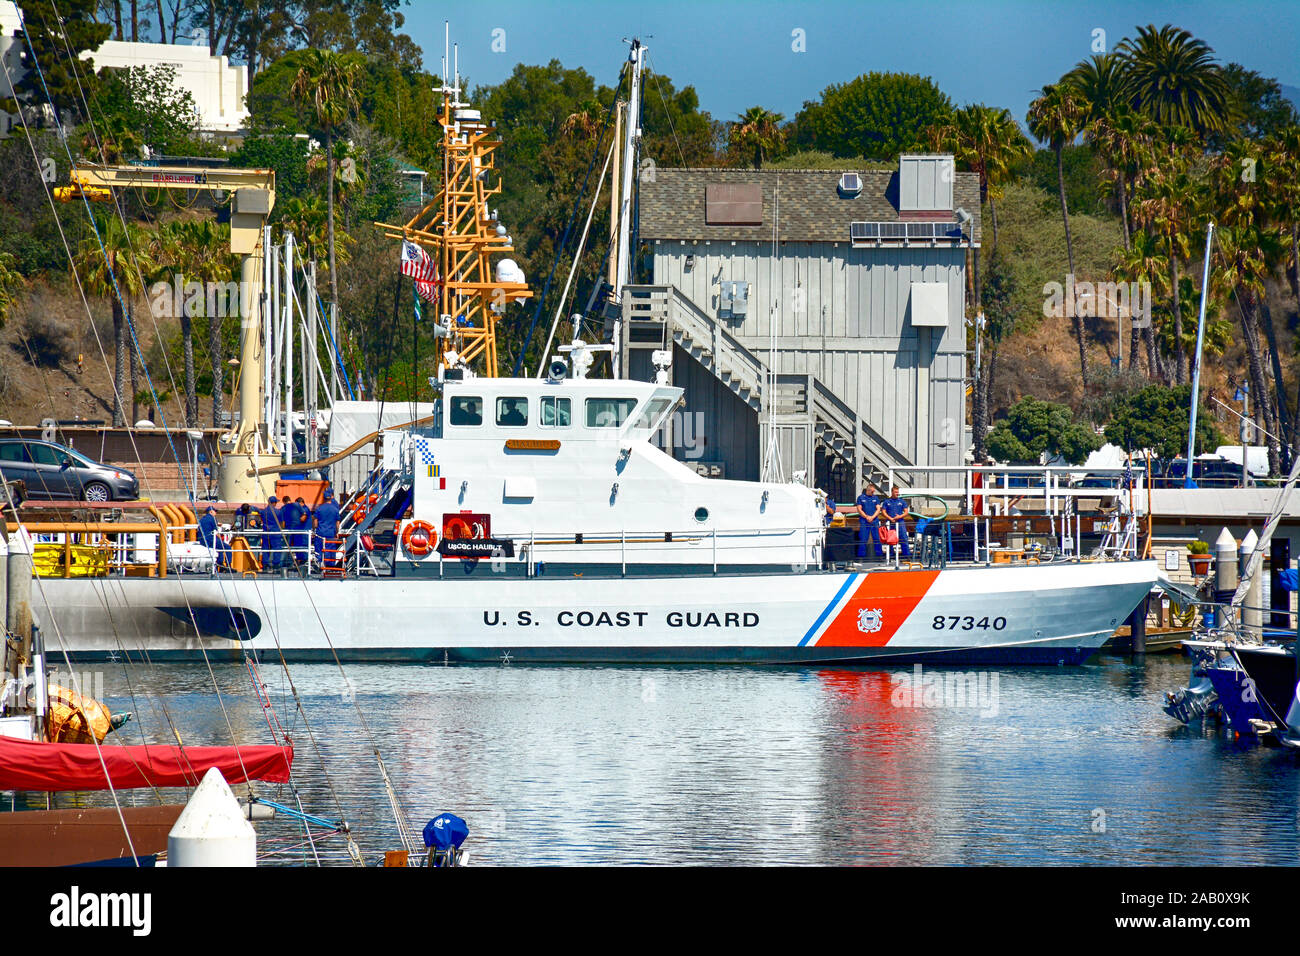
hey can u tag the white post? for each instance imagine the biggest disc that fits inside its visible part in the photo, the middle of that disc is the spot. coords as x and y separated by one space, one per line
211 830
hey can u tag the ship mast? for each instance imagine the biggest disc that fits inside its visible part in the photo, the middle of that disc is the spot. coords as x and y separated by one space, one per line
462 233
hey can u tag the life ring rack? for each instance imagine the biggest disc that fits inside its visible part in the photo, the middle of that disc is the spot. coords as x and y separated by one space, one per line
419 538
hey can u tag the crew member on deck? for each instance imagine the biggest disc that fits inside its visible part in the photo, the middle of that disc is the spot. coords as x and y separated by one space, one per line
272 535
868 507
288 521
896 512
210 539
303 527
327 524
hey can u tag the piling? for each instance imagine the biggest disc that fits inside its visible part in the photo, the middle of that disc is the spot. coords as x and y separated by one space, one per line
1137 625
18 612
1252 611
4 574
211 830
1225 568
1279 600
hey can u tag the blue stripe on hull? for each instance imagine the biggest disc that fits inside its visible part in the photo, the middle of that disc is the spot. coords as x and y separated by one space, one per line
1002 655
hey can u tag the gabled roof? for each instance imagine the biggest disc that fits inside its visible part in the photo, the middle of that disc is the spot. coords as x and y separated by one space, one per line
812 208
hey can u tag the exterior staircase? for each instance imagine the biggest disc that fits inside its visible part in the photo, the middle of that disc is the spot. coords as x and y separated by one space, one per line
800 400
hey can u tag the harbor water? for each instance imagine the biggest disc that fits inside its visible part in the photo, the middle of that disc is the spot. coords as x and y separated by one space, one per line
730 765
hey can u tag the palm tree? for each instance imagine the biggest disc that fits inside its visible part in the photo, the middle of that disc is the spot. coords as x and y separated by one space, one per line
115 272
986 141
1057 117
759 131
1171 77
1169 206
1102 82
1117 138
1144 260
1247 253
327 84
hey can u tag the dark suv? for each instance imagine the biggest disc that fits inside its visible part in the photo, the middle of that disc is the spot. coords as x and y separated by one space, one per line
1206 473
53 471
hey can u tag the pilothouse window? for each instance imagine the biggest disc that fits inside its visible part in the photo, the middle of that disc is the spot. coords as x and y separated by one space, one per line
609 412
467 410
557 412
653 413
512 412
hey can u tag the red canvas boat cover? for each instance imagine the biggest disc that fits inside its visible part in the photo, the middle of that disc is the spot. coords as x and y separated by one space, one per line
27 765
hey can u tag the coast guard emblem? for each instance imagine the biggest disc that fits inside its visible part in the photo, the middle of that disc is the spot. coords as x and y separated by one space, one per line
870 620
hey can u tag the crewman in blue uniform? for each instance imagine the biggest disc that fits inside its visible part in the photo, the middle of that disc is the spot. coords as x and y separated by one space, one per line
209 538
289 521
303 527
868 506
272 536
326 521
896 512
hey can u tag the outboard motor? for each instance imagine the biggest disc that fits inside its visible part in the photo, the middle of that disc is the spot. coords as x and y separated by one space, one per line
1198 698
443 835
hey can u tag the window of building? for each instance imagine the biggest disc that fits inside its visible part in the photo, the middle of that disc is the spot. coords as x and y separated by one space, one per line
466 410
609 412
557 412
512 411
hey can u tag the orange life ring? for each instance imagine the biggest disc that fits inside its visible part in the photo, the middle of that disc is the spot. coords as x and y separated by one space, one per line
456 529
419 538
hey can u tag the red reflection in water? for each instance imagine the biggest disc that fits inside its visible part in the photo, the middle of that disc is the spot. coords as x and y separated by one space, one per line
883 761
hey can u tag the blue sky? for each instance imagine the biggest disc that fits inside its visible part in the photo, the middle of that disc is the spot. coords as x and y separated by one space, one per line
738 53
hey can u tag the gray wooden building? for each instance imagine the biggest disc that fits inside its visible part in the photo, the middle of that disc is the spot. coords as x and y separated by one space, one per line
819 310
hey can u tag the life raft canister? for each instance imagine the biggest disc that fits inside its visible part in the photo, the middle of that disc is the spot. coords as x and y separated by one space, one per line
419 538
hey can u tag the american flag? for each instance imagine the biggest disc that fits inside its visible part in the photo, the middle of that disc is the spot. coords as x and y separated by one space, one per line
417 264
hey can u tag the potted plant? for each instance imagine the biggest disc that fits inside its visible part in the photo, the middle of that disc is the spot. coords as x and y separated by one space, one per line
1198 556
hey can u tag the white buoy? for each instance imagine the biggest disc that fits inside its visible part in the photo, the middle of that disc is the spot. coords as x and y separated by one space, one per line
211 830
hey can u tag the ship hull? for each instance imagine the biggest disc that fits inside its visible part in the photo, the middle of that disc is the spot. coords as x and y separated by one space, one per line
1048 614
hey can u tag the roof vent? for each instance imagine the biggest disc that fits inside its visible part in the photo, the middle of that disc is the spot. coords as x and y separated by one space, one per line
850 185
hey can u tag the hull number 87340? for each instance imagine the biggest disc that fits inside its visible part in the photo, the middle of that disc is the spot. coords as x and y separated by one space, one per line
955 622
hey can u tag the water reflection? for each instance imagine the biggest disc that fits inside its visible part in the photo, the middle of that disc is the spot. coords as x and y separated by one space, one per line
673 765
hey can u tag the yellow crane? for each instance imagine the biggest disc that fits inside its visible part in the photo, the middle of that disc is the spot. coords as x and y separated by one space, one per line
250 446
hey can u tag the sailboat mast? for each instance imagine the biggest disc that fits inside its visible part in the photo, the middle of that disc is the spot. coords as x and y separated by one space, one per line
631 142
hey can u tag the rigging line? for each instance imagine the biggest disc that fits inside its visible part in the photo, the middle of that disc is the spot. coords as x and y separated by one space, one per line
49 198
117 205
337 354
76 681
577 262
181 403
573 216
108 262
667 112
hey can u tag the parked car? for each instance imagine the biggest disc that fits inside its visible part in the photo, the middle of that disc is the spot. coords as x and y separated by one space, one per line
55 471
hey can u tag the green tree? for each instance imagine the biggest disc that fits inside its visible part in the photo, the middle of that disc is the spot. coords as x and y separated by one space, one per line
147 102
327 82
1156 418
877 115
58 34
1171 77
1261 108
10 283
1034 427
1056 117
